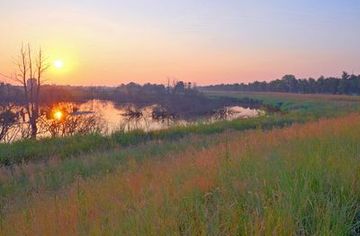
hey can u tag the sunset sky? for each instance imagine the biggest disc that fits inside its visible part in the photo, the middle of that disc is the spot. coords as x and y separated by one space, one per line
109 42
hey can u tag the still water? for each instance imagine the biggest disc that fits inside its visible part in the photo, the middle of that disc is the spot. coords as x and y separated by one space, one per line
113 117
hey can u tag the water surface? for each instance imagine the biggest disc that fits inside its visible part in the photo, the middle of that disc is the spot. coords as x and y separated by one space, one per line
126 117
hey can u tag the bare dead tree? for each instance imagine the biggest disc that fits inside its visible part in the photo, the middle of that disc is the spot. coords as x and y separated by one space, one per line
30 75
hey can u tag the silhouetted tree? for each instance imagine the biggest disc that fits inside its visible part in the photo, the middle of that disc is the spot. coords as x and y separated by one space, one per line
30 73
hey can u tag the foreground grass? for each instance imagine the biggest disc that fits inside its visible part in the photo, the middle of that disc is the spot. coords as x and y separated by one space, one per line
54 174
295 181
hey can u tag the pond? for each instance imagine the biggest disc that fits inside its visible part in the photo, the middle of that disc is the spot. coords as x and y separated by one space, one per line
107 117
127 117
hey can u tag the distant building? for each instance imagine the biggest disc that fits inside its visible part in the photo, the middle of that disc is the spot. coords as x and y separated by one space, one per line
31 83
32 87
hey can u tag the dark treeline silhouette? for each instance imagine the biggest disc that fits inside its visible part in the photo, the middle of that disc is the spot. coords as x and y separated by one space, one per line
180 98
143 94
10 94
346 84
124 93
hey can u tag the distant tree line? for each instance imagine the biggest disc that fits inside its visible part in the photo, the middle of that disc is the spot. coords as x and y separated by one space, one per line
147 93
346 84
132 92
179 97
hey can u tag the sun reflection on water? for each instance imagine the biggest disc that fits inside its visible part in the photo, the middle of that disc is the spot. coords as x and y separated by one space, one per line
58 115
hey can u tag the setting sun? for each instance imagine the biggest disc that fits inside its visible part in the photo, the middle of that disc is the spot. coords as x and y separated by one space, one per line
58 64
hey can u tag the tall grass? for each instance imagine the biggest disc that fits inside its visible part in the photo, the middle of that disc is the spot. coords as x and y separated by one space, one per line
294 181
16 182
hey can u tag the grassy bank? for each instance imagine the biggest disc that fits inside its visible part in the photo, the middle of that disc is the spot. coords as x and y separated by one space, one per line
298 180
55 163
32 150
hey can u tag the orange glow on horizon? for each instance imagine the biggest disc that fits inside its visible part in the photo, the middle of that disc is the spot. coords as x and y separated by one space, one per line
94 43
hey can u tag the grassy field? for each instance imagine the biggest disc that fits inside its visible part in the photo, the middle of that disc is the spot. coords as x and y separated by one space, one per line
299 180
293 172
